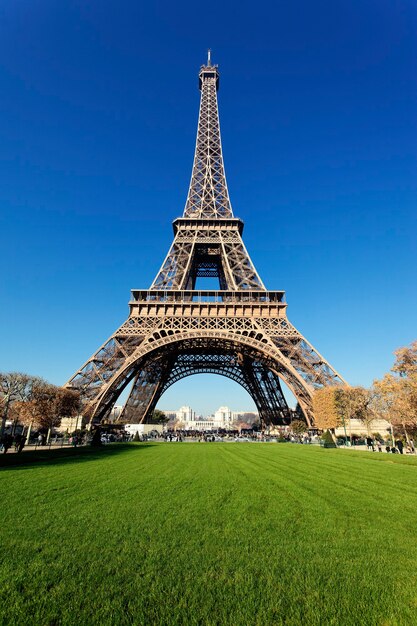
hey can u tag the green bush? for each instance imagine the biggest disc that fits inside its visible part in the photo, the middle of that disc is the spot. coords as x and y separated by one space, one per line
326 440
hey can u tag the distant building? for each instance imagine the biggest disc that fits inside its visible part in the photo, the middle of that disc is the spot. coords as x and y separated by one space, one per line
223 417
358 428
186 414
71 424
171 415
185 418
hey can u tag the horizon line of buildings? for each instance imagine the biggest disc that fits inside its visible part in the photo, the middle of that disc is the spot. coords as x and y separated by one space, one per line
185 418
223 418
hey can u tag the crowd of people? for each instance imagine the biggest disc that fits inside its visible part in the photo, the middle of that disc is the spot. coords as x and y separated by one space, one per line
8 440
99 437
398 448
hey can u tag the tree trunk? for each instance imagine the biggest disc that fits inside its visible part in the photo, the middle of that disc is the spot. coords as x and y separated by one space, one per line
14 425
4 416
392 435
28 433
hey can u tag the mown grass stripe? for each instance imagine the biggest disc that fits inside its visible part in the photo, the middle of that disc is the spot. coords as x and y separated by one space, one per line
209 534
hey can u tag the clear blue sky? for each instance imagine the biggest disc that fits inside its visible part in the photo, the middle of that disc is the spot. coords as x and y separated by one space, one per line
98 114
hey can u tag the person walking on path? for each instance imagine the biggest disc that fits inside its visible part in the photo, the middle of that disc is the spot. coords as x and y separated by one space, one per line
17 439
400 446
21 444
7 442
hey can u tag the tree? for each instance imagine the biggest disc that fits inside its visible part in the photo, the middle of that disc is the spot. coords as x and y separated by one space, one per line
15 387
336 406
27 411
249 418
298 427
47 404
247 421
406 360
384 398
158 417
355 403
68 402
55 403
395 399
405 366
395 395
326 411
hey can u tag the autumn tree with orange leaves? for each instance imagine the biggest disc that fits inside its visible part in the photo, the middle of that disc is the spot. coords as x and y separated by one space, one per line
395 395
326 413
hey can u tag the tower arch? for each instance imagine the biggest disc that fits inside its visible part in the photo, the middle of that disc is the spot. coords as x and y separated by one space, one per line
251 359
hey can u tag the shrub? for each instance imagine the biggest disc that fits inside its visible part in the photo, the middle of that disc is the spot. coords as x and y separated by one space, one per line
326 440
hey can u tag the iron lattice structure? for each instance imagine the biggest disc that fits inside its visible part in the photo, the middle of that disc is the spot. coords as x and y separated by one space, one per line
173 330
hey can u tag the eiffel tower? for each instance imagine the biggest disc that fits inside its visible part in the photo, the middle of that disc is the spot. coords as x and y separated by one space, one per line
173 330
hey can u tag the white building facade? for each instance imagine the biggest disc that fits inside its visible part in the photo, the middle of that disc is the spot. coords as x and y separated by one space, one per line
187 419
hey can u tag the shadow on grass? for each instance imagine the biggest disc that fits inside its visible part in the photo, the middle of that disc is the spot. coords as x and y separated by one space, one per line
60 456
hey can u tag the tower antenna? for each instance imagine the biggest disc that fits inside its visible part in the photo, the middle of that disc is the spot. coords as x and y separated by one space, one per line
209 57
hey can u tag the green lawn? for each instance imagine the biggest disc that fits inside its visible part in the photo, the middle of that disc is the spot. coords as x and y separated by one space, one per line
208 533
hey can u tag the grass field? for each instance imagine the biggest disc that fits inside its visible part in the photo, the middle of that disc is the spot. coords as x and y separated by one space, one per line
233 534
